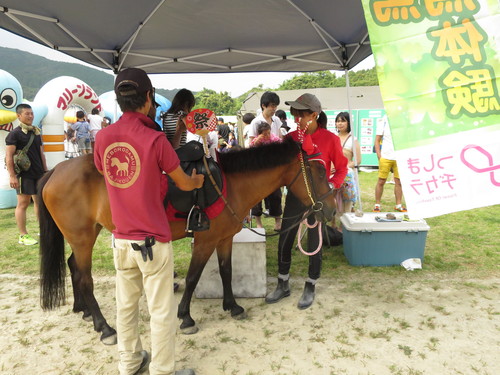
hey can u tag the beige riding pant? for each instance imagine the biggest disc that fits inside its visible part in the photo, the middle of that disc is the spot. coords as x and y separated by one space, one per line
133 275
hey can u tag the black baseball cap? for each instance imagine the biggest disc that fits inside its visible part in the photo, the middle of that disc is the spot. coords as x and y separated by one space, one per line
132 81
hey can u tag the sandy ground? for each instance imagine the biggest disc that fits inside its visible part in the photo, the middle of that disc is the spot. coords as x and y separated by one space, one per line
370 325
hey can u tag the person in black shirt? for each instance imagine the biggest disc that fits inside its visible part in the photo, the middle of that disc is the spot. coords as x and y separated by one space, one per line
25 182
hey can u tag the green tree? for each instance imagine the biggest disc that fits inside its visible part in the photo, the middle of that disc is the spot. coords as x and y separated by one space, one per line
309 81
365 77
219 102
259 88
329 79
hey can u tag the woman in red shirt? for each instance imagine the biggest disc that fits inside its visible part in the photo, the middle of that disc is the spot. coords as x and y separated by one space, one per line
311 122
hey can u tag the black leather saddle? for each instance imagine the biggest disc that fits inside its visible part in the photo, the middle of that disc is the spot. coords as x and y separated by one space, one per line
191 156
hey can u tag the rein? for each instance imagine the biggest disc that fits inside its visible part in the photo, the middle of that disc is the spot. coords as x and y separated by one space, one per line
212 180
306 213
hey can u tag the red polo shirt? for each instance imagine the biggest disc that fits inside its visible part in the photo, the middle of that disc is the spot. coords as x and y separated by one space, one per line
331 153
131 154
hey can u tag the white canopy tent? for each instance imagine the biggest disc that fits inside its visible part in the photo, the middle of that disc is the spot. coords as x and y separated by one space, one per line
194 36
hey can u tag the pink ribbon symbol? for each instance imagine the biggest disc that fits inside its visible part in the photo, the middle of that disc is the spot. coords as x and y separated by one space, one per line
491 168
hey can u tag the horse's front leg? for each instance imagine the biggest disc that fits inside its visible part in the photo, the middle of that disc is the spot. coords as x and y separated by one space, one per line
201 254
224 251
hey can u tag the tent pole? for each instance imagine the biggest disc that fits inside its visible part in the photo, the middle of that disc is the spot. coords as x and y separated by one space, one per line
355 135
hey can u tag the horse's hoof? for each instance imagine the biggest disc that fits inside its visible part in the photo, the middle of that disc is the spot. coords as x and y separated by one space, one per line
110 340
87 317
242 315
189 330
238 312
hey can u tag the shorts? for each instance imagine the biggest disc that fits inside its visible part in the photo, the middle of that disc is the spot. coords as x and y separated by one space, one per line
27 186
83 143
93 133
385 166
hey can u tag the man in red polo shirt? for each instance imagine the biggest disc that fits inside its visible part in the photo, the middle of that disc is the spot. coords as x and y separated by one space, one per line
132 155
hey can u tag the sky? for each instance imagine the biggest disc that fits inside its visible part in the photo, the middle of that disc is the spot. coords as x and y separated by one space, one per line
233 83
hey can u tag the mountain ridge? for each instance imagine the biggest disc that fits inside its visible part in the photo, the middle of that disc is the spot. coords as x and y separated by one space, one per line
33 72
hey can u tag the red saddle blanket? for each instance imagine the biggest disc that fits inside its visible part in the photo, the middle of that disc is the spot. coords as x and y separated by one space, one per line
212 211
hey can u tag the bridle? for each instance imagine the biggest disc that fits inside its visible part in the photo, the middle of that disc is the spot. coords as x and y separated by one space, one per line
305 169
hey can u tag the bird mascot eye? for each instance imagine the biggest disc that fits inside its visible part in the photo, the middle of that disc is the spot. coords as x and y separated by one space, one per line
8 98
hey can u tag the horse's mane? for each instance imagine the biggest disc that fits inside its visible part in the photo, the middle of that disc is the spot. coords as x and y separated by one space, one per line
260 157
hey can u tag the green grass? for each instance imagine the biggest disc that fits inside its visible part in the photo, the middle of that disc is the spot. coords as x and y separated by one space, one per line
462 244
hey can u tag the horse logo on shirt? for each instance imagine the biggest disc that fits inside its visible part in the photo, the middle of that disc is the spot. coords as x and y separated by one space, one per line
122 165
122 168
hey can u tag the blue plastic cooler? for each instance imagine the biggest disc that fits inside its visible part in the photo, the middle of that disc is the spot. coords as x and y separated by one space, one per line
368 242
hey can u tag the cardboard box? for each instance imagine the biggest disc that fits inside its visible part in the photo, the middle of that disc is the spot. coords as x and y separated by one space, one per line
368 242
249 268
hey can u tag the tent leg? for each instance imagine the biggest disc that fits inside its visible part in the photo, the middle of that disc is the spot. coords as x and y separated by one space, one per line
355 130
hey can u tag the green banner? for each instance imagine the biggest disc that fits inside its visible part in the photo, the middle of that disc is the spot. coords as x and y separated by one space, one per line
437 63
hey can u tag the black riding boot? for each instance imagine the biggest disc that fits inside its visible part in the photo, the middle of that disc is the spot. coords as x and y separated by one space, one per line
307 297
282 291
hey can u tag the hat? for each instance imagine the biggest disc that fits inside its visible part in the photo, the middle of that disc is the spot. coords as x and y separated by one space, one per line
132 81
220 119
306 101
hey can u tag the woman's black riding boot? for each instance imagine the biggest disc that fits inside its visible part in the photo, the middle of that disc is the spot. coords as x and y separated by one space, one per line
282 291
307 297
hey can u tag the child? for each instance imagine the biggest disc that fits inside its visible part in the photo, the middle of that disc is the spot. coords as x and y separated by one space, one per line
264 135
247 119
226 145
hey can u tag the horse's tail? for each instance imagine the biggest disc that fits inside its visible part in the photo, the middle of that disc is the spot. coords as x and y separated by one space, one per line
52 261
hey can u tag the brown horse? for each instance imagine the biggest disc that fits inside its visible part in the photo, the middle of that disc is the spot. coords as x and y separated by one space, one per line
74 205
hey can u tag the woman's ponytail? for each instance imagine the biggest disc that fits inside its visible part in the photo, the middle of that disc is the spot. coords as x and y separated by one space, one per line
322 120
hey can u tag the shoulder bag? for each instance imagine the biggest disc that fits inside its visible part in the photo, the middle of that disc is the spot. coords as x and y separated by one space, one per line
21 160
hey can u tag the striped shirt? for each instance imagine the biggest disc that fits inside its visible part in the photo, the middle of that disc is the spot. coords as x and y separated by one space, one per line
169 127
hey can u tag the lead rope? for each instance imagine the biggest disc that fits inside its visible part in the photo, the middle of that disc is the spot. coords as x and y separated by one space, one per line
301 133
310 226
306 181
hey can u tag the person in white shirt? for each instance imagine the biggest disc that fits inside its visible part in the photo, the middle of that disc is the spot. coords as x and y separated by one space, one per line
269 102
247 120
387 163
96 124
284 129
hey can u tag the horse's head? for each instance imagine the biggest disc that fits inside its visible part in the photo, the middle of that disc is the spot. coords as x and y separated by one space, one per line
286 164
311 186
